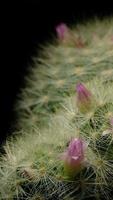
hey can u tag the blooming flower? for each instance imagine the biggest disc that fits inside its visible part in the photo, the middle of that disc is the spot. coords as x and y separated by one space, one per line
61 30
84 98
74 156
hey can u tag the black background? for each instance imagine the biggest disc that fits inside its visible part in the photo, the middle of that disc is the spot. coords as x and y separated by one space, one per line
26 24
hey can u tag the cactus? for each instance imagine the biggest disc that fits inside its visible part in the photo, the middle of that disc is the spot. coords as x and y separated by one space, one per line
62 147
60 66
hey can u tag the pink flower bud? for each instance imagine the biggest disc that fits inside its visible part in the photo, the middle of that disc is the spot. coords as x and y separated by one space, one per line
61 30
84 98
74 156
68 37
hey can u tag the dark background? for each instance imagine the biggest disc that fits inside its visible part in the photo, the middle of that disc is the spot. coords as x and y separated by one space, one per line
25 25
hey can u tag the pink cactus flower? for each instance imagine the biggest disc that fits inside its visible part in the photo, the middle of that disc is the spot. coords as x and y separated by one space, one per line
84 98
67 37
61 30
74 156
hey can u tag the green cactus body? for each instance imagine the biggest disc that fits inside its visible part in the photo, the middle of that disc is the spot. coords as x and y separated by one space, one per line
62 151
